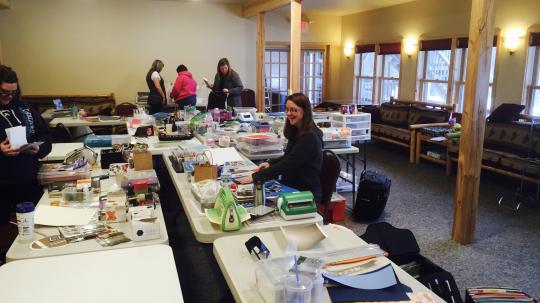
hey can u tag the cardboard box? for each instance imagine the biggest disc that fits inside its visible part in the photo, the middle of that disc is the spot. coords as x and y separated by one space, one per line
142 160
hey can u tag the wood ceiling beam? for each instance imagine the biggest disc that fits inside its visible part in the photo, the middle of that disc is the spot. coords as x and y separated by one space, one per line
251 8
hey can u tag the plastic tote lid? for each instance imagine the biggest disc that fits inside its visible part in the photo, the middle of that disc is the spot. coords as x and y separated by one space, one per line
24 207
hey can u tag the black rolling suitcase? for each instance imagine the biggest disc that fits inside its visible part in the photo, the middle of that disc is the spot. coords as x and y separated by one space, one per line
371 197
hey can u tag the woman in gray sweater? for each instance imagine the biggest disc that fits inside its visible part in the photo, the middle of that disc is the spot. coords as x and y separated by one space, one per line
227 81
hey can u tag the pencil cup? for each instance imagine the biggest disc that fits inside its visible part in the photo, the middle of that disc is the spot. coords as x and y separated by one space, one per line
298 291
25 220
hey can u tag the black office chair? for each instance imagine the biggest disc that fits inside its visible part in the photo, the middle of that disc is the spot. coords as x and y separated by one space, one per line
61 134
329 175
216 100
248 98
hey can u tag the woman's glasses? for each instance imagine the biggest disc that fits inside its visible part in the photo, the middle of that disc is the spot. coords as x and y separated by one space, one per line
4 92
291 109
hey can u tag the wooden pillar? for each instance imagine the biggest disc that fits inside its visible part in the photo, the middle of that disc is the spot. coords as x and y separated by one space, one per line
261 37
294 64
473 121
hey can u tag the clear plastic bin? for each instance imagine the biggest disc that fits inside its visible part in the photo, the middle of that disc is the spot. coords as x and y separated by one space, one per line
260 149
260 139
353 125
338 143
349 118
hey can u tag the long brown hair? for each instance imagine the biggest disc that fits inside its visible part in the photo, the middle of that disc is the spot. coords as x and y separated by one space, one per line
221 62
307 124
157 66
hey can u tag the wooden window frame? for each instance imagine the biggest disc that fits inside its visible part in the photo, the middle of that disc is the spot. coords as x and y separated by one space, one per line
532 87
325 47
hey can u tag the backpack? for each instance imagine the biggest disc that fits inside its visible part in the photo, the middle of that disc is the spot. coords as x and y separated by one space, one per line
372 194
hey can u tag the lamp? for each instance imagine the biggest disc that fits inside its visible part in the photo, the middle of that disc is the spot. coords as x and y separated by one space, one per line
409 46
348 51
511 40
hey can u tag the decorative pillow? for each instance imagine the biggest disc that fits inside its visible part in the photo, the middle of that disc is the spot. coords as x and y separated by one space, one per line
506 113
394 114
425 115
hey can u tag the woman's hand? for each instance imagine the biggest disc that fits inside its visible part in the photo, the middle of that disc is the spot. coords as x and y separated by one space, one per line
32 150
226 90
246 180
261 166
5 147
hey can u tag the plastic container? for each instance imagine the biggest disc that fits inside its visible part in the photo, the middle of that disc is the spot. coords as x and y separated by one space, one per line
260 149
351 118
298 291
337 143
260 139
25 221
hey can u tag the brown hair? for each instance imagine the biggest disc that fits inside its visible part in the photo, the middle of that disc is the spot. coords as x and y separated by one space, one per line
157 66
307 124
221 62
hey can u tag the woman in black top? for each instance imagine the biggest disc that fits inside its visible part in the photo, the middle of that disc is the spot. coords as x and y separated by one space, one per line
227 81
19 166
156 85
300 166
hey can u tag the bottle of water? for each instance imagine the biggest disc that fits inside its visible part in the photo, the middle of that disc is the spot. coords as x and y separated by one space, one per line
216 115
74 111
226 175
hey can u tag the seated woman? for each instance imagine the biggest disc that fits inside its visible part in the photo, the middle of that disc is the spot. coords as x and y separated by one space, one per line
300 166
184 89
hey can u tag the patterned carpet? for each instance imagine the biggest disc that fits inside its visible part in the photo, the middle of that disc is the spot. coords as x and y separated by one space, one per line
506 251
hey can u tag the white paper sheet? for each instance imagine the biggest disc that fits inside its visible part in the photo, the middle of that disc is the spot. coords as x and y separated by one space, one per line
16 136
63 216
303 236
218 156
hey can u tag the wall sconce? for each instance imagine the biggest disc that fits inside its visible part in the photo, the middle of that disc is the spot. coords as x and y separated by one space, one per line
348 51
409 46
511 41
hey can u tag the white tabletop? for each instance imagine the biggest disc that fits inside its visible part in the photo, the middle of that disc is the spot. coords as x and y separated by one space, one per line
21 250
207 232
135 275
238 266
69 122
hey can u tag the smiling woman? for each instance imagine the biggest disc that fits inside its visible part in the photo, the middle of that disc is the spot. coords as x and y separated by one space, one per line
300 166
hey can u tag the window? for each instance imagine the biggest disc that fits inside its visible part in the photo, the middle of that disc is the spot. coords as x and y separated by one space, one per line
388 74
276 76
276 71
376 73
364 67
434 70
533 75
460 70
311 75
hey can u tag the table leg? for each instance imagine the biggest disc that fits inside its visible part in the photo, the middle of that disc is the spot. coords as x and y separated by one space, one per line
354 178
418 147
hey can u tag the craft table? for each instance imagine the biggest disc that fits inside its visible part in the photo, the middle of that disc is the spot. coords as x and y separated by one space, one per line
207 232
238 266
60 150
69 122
21 250
135 275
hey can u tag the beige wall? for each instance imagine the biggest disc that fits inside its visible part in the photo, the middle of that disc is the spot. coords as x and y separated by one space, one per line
439 19
324 29
103 46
